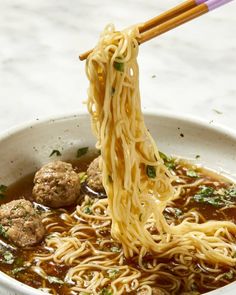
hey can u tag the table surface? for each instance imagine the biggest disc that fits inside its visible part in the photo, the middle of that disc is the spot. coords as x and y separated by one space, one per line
190 70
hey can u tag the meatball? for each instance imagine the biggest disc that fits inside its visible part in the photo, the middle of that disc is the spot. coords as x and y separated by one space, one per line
94 173
155 291
56 185
20 223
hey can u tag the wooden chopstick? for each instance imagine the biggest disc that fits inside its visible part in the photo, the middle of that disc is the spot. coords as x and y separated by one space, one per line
172 18
173 23
167 15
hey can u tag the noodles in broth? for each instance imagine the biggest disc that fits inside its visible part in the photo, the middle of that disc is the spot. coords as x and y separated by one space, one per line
134 241
137 182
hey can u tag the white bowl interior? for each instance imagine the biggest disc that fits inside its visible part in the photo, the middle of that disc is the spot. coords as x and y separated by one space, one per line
24 150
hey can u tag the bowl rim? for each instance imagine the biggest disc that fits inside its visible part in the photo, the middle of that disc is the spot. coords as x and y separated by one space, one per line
192 119
15 285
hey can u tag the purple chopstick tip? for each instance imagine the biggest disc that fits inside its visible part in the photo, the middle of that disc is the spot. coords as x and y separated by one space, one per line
212 4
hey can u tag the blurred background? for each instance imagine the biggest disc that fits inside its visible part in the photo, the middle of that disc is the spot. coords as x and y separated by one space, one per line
190 70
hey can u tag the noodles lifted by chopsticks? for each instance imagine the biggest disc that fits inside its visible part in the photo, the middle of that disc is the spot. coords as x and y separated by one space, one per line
137 183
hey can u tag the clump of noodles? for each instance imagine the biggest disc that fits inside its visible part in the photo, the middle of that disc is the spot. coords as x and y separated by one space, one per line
94 241
137 183
96 263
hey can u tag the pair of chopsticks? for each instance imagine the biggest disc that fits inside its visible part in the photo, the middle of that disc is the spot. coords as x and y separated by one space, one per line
172 18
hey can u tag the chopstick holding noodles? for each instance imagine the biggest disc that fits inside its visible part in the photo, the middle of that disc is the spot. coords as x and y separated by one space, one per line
173 18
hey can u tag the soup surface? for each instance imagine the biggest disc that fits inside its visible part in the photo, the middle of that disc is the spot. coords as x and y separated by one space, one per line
96 257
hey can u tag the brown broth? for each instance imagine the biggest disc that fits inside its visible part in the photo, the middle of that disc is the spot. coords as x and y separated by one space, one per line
24 186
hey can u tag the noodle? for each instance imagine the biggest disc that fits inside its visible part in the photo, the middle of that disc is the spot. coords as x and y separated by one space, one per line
126 243
127 150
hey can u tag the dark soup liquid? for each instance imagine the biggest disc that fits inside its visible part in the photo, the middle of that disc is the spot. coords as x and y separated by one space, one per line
213 197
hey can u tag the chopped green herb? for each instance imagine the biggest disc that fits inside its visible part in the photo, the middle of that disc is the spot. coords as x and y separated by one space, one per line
205 195
3 188
206 190
217 198
82 176
115 249
151 171
229 275
82 151
168 161
232 192
3 232
55 152
153 76
178 212
197 156
170 165
105 291
163 156
119 66
17 269
112 273
216 202
54 280
8 257
87 210
192 173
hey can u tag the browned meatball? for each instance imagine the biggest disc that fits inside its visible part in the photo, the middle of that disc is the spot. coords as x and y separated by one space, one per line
155 291
56 185
94 173
20 223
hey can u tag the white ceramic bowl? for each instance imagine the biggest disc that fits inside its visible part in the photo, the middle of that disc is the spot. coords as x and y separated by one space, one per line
25 149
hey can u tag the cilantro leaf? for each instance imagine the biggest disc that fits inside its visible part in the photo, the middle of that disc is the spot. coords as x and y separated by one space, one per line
87 210
3 188
169 162
3 232
55 152
54 280
115 249
112 273
151 171
8 257
81 151
119 66
229 275
216 198
17 269
192 173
